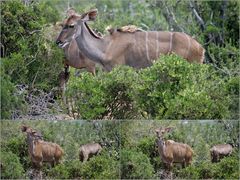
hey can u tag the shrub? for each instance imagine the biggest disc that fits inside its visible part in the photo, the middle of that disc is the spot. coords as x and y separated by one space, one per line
89 99
109 94
60 171
174 89
10 102
18 146
227 168
119 89
29 58
11 167
148 147
135 165
170 89
101 167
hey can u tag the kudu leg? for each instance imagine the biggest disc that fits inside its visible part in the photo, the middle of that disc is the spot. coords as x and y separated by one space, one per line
63 78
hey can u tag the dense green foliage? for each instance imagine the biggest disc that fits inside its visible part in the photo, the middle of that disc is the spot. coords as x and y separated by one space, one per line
70 136
170 89
28 57
11 168
135 165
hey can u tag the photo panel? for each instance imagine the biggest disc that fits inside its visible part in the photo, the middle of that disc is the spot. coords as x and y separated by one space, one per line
180 149
60 149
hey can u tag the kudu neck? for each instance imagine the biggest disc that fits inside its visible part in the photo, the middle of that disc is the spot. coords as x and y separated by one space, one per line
91 46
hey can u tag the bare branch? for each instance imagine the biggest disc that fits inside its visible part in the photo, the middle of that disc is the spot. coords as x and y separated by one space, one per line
197 16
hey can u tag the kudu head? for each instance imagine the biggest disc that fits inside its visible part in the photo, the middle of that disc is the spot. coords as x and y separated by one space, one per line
71 27
161 131
31 133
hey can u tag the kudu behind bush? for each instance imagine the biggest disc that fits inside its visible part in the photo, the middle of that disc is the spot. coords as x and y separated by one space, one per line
171 151
86 151
137 49
41 151
220 151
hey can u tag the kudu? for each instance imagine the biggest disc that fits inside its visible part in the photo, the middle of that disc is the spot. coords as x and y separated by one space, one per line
137 49
219 151
171 151
41 151
88 150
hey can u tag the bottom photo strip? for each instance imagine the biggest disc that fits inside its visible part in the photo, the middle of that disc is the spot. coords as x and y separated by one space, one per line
120 149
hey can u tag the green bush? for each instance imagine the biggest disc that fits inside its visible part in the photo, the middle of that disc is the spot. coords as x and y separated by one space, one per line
175 89
109 94
135 165
29 58
89 96
60 171
10 101
101 167
118 87
18 146
11 167
227 168
170 89
148 146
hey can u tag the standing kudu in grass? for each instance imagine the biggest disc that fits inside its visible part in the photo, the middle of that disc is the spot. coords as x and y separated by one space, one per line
41 151
171 151
137 49
219 151
88 150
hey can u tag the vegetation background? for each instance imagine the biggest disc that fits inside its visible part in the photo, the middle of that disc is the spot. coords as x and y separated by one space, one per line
170 89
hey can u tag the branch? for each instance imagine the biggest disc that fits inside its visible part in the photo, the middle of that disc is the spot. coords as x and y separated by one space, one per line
197 16
170 17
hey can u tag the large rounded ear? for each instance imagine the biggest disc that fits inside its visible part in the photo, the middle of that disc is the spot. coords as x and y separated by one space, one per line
168 129
71 12
90 15
24 128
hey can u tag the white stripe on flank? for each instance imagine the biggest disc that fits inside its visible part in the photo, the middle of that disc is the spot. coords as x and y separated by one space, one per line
189 43
157 55
146 45
170 46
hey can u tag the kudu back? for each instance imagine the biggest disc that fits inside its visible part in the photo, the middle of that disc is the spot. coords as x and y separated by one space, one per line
86 151
133 48
171 151
219 151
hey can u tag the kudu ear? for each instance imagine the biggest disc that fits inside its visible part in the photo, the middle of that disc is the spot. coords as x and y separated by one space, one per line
71 12
168 129
24 128
90 15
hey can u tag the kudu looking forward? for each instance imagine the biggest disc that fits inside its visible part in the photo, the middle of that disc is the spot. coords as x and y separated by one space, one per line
137 49
41 151
219 151
171 151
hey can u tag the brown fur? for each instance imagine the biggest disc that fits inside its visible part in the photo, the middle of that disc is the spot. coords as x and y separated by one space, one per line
171 151
137 49
41 151
220 151
88 150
